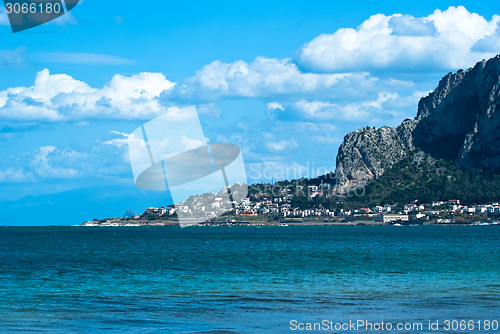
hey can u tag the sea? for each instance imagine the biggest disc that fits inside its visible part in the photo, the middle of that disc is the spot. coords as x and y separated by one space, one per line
250 279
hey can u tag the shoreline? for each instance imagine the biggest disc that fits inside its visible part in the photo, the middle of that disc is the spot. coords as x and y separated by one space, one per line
126 223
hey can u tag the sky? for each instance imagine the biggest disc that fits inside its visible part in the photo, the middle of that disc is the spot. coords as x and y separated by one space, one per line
283 80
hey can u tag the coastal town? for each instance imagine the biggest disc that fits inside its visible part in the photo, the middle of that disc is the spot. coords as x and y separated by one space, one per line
278 210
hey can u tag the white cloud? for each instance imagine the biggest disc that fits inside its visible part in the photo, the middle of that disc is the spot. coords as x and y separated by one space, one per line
491 42
281 145
382 98
12 175
274 106
327 111
269 77
190 143
407 25
122 140
442 40
45 156
273 109
356 111
59 97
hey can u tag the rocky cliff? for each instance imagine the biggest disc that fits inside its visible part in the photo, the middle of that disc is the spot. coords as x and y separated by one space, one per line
368 152
459 120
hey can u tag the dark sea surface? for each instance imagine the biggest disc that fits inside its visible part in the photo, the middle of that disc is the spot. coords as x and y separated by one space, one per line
246 279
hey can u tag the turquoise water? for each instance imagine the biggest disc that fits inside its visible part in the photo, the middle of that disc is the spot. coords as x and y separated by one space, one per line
244 279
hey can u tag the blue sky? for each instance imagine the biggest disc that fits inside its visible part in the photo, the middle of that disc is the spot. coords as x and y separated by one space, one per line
284 80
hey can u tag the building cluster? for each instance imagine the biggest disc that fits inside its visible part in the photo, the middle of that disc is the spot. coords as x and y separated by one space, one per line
416 211
454 206
157 213
281 204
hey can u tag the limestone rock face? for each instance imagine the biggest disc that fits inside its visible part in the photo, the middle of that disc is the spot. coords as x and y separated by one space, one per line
459 120
368 152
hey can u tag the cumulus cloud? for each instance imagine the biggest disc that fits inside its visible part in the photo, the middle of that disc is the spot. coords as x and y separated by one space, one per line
59 97
45 157
388 108
329 111
269 77
491 42
407 25
444 40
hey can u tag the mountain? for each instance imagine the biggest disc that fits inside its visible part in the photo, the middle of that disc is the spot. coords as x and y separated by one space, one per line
459 121
423 177
368 152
